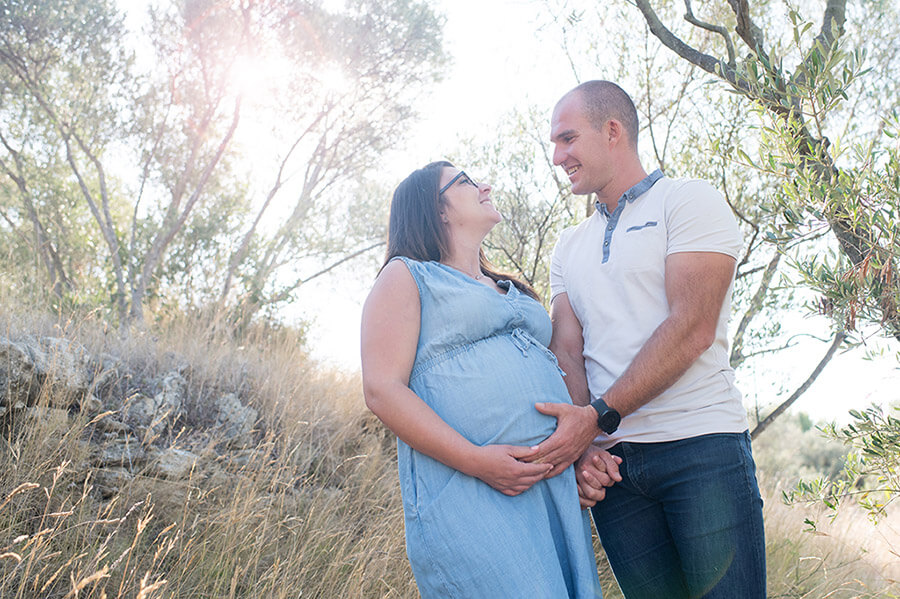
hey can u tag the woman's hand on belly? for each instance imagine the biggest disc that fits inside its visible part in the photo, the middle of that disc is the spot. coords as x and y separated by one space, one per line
501 468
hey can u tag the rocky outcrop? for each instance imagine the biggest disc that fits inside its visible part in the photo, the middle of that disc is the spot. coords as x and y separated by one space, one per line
134 428
235 420
59 368
155 413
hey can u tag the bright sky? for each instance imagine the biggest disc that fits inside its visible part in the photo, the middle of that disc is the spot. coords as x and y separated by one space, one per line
498 63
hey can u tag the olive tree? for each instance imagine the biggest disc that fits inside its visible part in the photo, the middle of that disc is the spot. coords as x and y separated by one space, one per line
151 147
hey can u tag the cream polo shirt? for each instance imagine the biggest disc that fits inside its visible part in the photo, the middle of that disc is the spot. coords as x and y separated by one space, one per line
612 266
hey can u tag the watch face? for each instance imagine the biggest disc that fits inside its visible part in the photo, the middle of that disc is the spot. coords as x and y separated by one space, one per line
609 421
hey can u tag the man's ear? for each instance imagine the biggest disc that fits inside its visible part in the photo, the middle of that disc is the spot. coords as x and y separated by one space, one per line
615 131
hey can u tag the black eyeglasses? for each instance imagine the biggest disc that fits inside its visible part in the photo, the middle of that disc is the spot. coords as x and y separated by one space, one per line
468 180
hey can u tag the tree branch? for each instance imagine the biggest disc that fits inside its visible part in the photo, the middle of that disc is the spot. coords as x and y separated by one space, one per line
346 258
690 18
241 253
832 21
779 97
249 309
165 236
745 27
835 344
44 247
756 304
109 233
708 63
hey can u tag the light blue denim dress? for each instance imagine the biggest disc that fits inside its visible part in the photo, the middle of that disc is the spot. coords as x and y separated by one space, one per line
481 364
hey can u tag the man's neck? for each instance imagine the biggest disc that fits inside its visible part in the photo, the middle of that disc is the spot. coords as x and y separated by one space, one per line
611 194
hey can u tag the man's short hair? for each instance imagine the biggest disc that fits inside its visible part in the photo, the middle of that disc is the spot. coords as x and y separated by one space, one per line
604 100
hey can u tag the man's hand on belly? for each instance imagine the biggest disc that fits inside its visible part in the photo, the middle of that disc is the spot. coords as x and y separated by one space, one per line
576 427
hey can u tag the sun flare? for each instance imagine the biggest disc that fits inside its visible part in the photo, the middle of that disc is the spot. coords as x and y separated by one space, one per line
258 78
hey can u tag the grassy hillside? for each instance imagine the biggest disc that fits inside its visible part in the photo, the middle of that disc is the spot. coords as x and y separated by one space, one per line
310 507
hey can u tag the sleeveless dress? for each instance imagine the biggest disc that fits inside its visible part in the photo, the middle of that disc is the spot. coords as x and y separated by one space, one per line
481 364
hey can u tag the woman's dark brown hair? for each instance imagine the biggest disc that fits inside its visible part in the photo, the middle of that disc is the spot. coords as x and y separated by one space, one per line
415 229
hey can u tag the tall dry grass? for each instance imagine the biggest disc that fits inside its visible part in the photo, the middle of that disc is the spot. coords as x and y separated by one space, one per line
847 557
312 509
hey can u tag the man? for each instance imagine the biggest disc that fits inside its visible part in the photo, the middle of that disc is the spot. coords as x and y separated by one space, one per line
641 293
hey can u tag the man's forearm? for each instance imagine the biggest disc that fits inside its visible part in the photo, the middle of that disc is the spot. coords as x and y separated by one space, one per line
567 343
576 377
662 360
696 286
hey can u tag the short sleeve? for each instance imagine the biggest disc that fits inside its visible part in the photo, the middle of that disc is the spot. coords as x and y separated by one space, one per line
415 270
557 280
699 220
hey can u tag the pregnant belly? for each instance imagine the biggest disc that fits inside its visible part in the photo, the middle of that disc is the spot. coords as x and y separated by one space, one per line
489 396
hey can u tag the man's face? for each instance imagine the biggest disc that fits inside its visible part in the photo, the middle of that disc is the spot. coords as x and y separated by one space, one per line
581 151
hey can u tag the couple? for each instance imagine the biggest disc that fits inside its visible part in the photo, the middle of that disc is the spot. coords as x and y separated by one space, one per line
457 362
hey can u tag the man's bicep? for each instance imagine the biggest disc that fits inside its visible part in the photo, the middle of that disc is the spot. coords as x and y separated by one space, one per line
697 282
700 220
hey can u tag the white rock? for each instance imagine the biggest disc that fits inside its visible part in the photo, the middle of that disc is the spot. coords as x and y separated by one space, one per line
175 464
64 362
161 409
54 421
233 418
122 451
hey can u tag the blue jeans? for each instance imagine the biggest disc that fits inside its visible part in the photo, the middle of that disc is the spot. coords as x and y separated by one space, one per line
686 520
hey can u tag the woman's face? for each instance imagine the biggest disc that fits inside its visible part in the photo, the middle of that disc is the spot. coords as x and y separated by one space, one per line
467 204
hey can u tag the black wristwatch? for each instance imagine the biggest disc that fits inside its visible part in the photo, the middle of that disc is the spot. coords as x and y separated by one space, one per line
607 419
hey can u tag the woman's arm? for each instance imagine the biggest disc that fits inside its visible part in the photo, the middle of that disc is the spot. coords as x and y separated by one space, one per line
390 334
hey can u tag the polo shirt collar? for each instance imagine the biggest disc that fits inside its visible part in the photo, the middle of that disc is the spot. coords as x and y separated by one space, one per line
633 192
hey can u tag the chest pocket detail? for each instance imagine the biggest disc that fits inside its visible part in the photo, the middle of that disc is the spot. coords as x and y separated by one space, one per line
649 223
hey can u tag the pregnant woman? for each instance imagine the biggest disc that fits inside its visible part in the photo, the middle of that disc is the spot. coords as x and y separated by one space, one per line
454 357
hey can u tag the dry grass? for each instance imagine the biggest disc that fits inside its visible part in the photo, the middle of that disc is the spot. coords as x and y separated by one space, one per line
312 510
845 558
